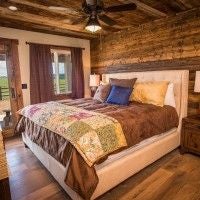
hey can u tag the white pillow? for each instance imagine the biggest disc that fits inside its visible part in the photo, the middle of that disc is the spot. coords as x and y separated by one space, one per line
169 97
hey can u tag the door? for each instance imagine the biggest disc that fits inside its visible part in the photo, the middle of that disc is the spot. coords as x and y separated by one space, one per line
10 81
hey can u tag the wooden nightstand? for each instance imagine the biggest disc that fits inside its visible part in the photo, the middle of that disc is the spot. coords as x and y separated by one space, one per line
4 180
9 132
190 135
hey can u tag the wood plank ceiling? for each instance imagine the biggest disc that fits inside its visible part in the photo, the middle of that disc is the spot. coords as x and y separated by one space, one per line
35 15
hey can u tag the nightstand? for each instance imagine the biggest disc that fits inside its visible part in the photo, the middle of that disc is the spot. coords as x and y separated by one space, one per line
8 132
190 134
4 180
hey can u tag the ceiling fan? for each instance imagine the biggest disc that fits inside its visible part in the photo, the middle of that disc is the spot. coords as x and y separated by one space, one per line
94 10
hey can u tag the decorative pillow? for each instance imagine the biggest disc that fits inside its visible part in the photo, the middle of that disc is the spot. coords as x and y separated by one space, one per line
102 93
169 97
123 82
119 95
150 92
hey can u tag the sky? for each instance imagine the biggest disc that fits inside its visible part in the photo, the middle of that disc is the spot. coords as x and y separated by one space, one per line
61 68
3 71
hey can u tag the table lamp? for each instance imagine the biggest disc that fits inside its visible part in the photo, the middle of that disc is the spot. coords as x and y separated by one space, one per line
94 82
197 84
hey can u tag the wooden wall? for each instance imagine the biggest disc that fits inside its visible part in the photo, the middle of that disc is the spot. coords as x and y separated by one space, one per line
170 43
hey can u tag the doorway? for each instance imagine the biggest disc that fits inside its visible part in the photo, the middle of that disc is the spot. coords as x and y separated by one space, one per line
4 87
10 85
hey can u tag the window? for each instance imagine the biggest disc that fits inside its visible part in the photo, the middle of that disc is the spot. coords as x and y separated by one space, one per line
62 71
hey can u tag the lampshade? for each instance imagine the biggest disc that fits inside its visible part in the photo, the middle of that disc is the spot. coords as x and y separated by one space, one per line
197 82
93 24
94 80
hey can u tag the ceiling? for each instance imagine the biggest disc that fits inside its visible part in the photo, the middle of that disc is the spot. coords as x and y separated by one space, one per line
34 15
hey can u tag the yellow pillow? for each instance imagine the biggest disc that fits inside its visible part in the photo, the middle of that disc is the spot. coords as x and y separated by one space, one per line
150 92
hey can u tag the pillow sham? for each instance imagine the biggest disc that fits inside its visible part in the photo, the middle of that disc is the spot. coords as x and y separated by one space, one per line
169 97
150 92
102 93
123 82
119 95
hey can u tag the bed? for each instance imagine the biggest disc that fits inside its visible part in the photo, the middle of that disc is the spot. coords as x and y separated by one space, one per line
138 156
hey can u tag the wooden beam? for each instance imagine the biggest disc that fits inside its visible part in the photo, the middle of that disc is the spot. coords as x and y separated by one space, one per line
75 4
25 16
144 7
12 23
31 7
42 21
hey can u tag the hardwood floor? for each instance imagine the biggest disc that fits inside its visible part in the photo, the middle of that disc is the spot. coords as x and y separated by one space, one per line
174 177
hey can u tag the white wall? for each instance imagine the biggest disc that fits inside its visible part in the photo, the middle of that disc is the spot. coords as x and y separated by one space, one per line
27 36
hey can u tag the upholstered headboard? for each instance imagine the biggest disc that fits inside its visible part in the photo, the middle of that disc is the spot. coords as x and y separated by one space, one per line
180 78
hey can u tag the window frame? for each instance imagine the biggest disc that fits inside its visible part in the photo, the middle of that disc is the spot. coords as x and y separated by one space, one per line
66 95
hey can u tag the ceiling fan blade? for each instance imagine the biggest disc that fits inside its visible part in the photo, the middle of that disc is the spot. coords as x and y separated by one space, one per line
91 2
109 28
80 20
120 8
107 20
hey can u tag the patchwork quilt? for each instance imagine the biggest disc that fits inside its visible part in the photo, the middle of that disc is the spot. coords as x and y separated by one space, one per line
94 135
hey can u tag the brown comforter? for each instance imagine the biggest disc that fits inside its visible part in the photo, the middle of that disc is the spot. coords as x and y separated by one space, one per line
138 121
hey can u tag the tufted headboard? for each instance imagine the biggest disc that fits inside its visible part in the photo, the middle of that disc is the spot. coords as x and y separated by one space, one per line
180 78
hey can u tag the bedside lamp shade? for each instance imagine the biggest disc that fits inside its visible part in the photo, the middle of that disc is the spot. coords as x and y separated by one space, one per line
197 82
94 80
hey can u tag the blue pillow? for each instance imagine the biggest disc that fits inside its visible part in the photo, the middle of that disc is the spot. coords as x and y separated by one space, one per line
119 95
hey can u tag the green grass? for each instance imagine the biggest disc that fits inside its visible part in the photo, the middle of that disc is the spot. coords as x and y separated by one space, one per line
63 85
3 81
3 85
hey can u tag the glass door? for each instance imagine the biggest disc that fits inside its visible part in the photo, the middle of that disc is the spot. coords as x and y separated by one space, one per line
4 89
11 99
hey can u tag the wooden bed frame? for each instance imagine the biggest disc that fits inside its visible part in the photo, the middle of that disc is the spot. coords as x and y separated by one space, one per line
111 174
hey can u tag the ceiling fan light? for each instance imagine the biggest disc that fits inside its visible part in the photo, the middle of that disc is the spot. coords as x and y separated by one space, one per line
93 24
93 28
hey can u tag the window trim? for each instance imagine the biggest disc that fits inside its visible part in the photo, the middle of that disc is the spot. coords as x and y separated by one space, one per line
67 94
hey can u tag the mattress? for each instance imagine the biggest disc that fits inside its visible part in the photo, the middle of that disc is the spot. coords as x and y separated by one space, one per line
114 157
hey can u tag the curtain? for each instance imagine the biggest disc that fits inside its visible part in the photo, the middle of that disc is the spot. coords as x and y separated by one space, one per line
41 74
77 73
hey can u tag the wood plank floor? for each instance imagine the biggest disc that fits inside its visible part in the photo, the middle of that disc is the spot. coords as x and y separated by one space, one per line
174 177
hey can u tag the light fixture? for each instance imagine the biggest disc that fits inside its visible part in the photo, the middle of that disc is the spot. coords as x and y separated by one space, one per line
197 86
93 24
94 82
197 82
13 8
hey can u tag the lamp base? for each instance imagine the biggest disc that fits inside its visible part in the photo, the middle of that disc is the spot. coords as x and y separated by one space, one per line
93 90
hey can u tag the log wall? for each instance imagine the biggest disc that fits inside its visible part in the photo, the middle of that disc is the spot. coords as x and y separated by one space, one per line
170 43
